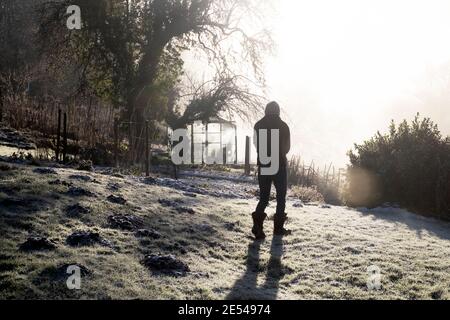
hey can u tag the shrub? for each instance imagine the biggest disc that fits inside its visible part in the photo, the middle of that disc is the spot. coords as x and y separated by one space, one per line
410 166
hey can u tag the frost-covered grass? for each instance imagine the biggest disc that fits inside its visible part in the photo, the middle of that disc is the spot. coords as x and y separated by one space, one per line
327 256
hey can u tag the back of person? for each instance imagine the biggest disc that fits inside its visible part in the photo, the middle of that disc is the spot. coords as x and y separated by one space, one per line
273 122
264 128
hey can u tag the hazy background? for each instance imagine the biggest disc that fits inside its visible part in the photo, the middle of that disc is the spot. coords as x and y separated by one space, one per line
344 69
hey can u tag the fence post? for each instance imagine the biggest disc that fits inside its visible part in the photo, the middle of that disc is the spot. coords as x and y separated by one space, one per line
235 145
65 138
207 142
224 151
58 135
192 145
175 171
247 155
147 151
116 142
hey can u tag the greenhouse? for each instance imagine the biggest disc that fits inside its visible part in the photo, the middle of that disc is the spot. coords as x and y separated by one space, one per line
214 139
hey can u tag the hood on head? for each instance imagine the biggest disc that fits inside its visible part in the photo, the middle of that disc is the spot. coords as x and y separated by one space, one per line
273 108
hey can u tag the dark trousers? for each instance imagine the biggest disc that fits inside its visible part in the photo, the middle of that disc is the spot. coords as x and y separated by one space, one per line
265 184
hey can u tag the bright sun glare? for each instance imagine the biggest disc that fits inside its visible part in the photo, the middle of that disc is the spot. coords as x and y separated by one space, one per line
344 69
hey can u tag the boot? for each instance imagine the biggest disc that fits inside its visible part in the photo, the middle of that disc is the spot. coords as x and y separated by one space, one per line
278 226
258 224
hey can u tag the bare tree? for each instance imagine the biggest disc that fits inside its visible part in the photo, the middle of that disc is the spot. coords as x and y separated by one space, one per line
226 94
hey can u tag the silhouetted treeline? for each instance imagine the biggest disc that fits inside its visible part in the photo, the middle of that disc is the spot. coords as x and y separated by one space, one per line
409 166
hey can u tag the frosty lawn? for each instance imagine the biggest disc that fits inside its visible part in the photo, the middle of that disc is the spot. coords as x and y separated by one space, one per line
327 257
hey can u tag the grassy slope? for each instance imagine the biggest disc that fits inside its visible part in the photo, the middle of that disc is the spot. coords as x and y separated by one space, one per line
327 257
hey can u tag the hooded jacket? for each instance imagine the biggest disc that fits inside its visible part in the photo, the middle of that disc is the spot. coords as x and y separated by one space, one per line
270 122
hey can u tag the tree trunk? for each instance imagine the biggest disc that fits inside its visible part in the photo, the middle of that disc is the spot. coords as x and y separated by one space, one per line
137 107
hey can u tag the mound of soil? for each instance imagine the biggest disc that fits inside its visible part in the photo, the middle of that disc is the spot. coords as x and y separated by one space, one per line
173 204
76 210
86 238
117 199
45 171
126 222
113 186
169 265
79 192
37 244
60 273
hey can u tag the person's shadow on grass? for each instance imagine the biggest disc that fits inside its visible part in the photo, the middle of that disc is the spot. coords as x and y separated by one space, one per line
246 288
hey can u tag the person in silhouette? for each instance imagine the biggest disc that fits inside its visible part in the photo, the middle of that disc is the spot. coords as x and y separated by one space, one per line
270 122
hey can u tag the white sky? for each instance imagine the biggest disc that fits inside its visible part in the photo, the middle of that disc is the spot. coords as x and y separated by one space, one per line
345 68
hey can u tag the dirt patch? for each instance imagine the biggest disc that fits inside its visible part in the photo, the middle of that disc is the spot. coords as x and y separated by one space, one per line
113 186
60 273
126 222
117 199
176 206
45 171
168 265
79 192
232 226
76 210
437 295
37 244
86 238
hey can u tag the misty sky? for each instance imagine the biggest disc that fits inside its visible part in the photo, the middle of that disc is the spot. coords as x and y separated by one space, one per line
344 68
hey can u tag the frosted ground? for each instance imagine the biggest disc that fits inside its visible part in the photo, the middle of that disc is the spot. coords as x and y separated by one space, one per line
327 257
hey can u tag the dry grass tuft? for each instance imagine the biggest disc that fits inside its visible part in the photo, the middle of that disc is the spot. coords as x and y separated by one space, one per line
306 194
